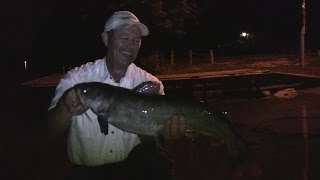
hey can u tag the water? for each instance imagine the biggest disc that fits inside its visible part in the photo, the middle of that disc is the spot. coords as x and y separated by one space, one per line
283 136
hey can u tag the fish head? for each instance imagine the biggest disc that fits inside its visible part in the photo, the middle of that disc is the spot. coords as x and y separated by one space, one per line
84 93
96 96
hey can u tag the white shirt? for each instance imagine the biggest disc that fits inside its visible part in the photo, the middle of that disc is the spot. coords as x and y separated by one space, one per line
86 144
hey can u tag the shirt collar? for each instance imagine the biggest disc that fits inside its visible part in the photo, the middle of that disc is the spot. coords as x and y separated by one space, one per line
108 77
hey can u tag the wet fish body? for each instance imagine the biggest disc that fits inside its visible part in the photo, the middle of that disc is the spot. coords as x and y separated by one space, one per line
143 114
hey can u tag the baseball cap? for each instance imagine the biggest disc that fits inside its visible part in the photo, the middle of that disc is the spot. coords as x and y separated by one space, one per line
125 17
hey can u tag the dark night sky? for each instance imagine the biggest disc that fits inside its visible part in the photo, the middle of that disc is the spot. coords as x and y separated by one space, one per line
54 32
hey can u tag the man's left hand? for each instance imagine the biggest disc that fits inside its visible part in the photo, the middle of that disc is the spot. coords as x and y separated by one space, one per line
175 128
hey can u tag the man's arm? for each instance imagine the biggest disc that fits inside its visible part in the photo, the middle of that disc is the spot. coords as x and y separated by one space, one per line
59 118
59 121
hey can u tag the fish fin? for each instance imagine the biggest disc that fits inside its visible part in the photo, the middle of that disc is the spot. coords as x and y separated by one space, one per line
207 134
190 134
147 88
237 148
103 122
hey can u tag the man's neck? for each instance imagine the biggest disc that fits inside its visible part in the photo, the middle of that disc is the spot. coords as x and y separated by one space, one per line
116 72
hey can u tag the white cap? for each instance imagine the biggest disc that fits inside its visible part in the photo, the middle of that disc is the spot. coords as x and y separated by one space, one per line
125 17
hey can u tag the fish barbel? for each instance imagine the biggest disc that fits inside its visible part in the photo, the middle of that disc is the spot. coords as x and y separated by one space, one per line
142 113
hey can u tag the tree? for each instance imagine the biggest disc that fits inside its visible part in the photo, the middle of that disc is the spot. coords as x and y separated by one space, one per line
167 20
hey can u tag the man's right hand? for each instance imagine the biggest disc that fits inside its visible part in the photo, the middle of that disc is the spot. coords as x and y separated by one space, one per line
72 103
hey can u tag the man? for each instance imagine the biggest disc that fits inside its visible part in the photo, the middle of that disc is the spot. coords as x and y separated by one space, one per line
87 147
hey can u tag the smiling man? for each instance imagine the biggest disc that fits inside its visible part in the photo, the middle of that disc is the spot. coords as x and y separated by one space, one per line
95 155
122 37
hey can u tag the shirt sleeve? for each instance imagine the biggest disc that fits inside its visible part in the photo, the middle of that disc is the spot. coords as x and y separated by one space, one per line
64 84
85 73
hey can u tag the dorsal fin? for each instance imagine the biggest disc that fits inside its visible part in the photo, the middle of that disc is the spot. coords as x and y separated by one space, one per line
147 88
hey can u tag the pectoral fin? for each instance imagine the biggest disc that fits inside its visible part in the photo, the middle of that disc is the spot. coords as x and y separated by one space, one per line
103 122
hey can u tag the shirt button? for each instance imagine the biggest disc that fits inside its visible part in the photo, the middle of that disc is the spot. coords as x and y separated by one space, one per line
112 132
110 151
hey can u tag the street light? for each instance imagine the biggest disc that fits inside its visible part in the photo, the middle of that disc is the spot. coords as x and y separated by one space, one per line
302 34
244 35
25 66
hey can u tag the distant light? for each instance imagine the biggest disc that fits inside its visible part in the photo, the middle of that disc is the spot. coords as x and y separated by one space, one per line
25 65
244 34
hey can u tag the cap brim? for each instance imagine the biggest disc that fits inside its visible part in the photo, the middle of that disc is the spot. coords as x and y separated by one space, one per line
144 29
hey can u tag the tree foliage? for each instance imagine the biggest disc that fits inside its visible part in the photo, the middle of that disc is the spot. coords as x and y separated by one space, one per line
166 20
162 16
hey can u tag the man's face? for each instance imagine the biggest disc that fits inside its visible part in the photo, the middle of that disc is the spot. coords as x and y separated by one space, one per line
124 45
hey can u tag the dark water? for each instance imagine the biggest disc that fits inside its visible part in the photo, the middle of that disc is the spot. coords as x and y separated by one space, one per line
282 134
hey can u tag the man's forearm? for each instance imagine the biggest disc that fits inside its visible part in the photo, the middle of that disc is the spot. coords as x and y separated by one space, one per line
59 120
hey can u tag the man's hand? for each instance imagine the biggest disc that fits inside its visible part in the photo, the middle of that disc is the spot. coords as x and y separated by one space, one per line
72 103
175 128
